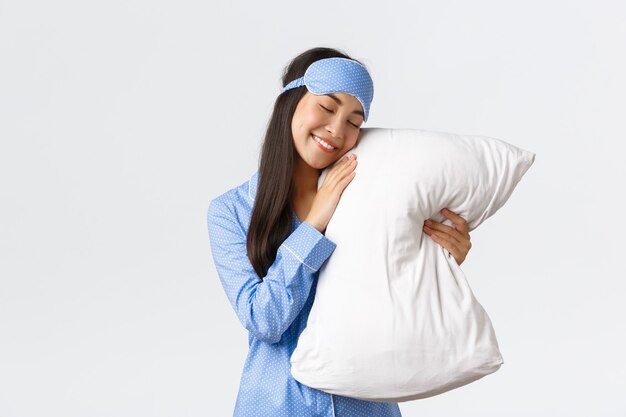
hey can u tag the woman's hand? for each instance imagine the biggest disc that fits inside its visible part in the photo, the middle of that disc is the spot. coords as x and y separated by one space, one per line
329 193
455 239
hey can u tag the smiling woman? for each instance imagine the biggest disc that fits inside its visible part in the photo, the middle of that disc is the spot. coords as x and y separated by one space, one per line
318 125
267 258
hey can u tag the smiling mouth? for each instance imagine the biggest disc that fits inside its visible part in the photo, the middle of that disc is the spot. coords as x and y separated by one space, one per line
324 148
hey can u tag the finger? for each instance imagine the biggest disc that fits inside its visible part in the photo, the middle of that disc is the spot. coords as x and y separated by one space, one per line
345 171
456 219
346 162
341 161
339 171
443 235
450 246
348 167
347 157
347 179
433 225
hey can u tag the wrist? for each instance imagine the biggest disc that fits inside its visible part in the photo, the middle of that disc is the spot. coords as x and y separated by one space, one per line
316 225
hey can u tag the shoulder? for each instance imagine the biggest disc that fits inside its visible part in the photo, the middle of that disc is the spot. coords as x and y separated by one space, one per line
235 203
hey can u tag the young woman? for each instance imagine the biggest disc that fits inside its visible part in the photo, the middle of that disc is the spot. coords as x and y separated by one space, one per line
267 234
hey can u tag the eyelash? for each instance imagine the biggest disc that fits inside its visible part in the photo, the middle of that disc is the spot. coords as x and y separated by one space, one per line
330 111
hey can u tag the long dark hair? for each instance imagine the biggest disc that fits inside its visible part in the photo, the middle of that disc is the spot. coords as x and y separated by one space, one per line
271 219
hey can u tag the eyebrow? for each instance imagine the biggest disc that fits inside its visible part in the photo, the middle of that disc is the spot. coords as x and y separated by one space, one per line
334 97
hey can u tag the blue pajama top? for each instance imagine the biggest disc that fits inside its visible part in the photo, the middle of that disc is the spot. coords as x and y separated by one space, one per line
275 311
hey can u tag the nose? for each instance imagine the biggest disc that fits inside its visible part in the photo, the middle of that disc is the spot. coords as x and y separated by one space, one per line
336 128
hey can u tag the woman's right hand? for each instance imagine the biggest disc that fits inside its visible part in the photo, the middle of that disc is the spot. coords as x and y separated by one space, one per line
328 195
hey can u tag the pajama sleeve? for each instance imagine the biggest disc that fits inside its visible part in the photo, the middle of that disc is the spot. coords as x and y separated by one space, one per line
266 307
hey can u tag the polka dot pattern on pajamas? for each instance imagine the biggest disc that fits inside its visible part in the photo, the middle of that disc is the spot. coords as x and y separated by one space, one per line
274 311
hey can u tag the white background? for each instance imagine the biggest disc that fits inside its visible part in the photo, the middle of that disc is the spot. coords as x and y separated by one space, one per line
121 120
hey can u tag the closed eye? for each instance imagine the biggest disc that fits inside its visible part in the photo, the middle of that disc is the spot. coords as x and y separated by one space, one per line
330 111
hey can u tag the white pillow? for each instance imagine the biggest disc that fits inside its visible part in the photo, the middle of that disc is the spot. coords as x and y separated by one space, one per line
394 318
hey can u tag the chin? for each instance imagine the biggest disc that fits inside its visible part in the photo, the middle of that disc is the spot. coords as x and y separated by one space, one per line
319 163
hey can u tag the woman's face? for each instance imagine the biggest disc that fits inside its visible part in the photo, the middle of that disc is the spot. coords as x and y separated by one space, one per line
335 118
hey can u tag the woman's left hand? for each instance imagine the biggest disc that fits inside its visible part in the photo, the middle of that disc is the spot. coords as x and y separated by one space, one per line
455 239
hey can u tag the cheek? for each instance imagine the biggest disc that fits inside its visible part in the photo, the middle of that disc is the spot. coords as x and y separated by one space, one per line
304 116
315 114
354 140
317 119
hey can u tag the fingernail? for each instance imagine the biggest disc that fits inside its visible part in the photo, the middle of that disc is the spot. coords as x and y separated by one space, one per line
428 222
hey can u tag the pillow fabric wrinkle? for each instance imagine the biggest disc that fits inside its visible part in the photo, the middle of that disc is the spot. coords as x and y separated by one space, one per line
394 318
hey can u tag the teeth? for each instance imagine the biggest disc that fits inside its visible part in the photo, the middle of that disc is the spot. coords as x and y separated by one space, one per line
324 144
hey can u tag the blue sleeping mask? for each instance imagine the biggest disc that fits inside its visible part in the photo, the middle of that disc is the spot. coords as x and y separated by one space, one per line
337 75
